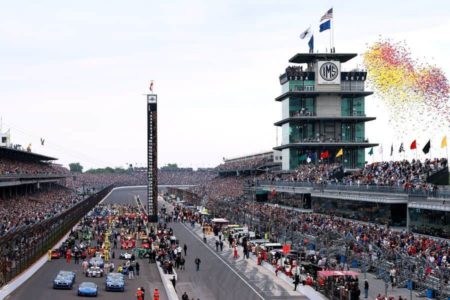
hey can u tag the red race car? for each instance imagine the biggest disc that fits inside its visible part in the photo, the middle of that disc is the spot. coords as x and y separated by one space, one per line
128 244
56 254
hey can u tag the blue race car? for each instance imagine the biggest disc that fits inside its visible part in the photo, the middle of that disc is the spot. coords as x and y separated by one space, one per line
115 282
87 289
69 274
62 282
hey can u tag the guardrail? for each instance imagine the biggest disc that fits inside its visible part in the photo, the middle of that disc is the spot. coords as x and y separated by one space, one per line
444 192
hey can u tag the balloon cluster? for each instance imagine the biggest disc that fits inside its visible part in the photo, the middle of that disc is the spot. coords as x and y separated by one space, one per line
415 93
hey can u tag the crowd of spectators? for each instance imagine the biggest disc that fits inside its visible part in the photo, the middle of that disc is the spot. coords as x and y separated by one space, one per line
243 164
30 209
98 180
397 173
430 256
313 173
165 177
184 177
406 174
14 167
220 188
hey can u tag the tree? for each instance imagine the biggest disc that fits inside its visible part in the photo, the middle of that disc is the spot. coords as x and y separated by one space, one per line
76 167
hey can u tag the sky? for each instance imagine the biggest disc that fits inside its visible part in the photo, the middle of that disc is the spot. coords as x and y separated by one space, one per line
74 73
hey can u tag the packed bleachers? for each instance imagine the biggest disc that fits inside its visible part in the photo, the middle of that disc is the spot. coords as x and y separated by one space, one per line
15 167
184 177
32 208
247 164
406 174
165 177
97 180
397 173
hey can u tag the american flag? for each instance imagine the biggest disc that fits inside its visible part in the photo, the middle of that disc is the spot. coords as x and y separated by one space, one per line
151 86
327 15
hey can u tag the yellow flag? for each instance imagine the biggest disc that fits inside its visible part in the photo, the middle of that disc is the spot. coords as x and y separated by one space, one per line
444 142
340 153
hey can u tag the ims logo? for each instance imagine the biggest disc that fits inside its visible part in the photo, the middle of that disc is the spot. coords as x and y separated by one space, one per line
329 71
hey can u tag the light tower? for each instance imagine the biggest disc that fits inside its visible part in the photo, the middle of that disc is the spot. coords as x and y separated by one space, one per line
152 169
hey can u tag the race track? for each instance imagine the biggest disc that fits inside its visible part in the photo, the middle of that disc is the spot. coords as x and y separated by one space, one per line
39 287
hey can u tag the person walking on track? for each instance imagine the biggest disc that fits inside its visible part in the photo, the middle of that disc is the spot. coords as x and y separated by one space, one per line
185 249
197 263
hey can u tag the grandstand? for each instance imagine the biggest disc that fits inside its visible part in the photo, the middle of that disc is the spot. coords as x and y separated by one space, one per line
32 193
251 164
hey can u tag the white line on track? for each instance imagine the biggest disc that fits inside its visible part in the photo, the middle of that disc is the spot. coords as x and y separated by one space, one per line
226 263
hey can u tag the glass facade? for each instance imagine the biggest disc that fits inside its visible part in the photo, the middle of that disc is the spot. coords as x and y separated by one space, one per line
301 85
381 213
352 132
430 222
352 107
301 107
301 132
354 158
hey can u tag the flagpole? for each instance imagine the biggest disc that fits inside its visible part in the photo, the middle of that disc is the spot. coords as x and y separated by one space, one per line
331 45
332 31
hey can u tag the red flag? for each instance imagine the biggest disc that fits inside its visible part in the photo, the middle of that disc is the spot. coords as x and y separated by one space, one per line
286 248
324 154
413 145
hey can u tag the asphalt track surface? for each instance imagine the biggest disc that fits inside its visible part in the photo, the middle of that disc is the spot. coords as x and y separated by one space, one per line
215 280
39 286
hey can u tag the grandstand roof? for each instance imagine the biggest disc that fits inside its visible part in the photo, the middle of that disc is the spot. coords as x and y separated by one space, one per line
304 58
23 155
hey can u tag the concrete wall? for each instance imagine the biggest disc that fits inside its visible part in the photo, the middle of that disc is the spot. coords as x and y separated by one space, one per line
285 108
286 159
328 106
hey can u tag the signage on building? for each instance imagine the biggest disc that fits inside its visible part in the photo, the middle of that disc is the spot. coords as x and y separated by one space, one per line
329 72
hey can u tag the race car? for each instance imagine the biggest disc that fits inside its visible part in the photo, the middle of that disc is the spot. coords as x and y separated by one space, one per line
125 255
63 281
56 254
96 261
145 244
128 244
94 272
69 274
88 289
115 282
